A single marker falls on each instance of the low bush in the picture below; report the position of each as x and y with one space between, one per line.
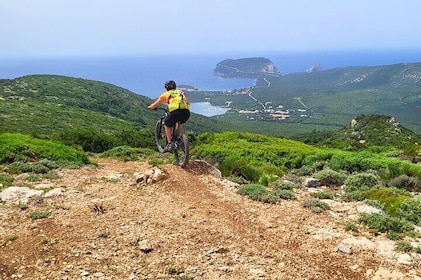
375 204
404 246
39 215
396 168
383 223
390 197
412 184
6 179
266 179
316 205
240 168
281 184
238 180
351 227
360 182
19 167
252 191
259 193
353 196
411 210
322 195
24 148
329 177
284 194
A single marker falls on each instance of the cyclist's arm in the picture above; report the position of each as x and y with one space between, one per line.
161 99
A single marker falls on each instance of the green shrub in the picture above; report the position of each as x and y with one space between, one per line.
281 184
353 162
390 197
89 140
239 168
307 170
404 246
375 204
382 223
265 179
411 210
353 196
360 182
6 179
395 169
253 191
329 177
51 175
24 148
259 193
269 197
351 227
32 177
393 235
39 215
238 180
412 184
19 167
316 205
284 194
322 195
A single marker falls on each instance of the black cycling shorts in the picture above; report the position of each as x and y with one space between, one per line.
179 115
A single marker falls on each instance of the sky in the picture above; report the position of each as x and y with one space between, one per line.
69 28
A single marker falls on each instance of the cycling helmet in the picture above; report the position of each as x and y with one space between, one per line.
170 85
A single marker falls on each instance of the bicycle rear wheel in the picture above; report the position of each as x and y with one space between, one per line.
181 150
160 139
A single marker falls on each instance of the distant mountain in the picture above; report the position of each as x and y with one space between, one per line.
245 68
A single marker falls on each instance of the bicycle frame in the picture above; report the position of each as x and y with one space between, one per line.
178 138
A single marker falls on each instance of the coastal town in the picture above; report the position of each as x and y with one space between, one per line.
264 110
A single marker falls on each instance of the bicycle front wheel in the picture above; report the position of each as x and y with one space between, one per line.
160 139
181 150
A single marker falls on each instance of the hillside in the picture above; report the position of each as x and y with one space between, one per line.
363 132
327 98
45 105
103 223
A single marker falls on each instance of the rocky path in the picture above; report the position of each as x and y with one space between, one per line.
189 224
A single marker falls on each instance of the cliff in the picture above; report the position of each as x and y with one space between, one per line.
245 68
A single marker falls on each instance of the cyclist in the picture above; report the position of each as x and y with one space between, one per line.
178 107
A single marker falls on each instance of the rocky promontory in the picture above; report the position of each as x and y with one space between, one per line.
248 68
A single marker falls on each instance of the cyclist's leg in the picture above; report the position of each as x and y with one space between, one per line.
168 132
169 123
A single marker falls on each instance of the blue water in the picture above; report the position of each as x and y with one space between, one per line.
206 109
145 75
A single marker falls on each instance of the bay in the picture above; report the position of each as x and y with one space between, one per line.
146 74
207 109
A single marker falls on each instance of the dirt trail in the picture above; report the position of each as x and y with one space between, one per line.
193 224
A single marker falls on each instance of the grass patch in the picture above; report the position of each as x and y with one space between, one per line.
39 215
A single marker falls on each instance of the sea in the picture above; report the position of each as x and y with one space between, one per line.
146 74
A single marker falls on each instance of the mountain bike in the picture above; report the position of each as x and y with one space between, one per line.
179 139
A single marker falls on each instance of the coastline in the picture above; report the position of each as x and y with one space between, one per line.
208 110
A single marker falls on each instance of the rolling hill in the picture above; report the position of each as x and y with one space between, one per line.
329 98
45 105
